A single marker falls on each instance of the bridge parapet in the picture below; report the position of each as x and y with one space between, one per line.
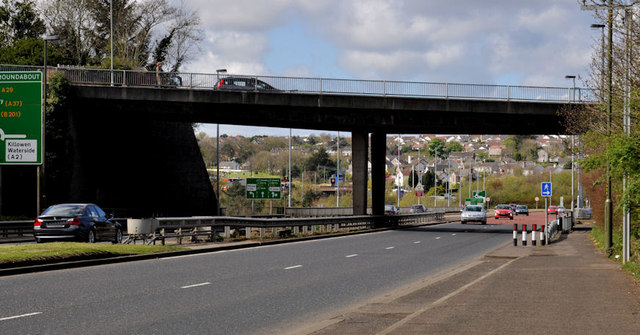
85 76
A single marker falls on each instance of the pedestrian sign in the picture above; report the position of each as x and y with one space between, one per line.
546 189
263 189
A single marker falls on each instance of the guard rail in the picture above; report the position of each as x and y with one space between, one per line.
211 227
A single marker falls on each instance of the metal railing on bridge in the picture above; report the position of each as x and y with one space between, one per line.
391 88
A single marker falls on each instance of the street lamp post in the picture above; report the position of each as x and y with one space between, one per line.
111 36
41 168
572 142
608 207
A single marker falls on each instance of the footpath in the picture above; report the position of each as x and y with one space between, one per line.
567 287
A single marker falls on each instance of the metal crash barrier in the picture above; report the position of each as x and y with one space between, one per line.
159 229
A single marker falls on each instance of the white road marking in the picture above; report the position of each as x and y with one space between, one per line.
437 238
19 316
417 242
196 285
293 267
349 256
454 234
415 314
389 248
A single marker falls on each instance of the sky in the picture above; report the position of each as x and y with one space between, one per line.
507 42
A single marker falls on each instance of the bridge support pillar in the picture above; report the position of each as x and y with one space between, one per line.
378 153
360 146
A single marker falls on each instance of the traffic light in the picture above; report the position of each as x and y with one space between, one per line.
333 181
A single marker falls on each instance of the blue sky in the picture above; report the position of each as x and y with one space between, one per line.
511 42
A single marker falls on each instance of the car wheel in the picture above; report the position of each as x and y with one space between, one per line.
118 238
91 236
463 222
484 222
38 240
511 218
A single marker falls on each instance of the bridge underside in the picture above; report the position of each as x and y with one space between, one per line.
135 147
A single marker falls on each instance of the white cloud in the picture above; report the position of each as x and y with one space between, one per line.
432 40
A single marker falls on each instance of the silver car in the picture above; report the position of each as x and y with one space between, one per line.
473 213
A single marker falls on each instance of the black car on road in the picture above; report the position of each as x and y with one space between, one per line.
79 222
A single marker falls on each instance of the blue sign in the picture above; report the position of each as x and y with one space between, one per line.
546 189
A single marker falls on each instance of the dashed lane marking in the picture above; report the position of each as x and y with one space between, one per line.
19 316
196 285
293 267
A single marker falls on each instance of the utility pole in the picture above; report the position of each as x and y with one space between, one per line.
608 209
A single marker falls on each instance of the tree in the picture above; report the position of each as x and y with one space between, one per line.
455 147
319 158
29 51
437 145
609 150
19 20
143 32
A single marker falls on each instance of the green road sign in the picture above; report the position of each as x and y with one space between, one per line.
21 118
479 194
474 201
263 189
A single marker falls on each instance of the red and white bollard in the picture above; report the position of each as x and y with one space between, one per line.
515 235
542 238
533 235
524 235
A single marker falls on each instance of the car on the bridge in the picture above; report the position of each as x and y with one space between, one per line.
503 211
552 210
243 84
390 210
561 209
522 209
473 213
80 222
418 208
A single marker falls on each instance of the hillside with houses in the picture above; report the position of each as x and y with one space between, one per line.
410 159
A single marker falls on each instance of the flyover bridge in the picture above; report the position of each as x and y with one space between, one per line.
144 123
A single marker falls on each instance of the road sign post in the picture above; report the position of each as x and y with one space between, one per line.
21 118
264 189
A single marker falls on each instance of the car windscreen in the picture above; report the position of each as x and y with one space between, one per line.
473 209
503 207
64 210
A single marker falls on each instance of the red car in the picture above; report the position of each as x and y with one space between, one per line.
552 210
503 211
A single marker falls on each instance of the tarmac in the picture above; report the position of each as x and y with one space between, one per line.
567 287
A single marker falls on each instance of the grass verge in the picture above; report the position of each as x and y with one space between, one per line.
58 251
633 266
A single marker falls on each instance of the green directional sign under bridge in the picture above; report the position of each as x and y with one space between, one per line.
21 118
264 189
